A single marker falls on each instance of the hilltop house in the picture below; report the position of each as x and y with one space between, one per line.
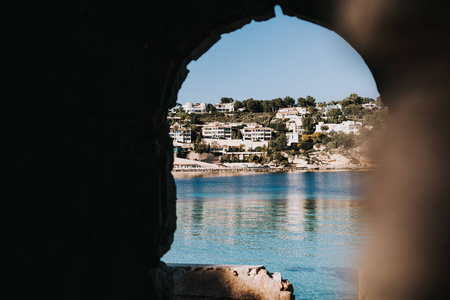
345 127
224 107
195 108
369 105
330 107
291 112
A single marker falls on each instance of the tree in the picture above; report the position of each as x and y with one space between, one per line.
352 110
312 110
226 100
306 143
278 102
324 128
279 126
267 106
194 119
237 104
280 143
288 101
380 102
346 102
367 100
211 108
199 147
363 113
310 101
352 99
379 119
196 134
254 158
318 117
252 105
236 132
334 116
306 102
301 102
308 125
342 139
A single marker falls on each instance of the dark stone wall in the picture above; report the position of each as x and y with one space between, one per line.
87 155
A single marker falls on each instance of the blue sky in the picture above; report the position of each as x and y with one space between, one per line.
283 56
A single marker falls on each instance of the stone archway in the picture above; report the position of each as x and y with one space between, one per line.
92 83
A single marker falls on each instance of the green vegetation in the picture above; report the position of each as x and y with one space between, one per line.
306 102
229 117
263 112
308 125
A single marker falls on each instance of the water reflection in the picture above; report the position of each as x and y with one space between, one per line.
310 223
308 226
197 217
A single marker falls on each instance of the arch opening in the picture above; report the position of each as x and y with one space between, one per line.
198 213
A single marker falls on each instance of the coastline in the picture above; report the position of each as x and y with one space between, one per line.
202 172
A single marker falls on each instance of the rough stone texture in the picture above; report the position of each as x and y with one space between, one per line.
87 155
229 282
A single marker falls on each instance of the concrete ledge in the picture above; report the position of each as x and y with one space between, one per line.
229 282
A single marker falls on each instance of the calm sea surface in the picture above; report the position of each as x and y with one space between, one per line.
307 226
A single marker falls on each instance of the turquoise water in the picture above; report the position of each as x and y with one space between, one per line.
307 226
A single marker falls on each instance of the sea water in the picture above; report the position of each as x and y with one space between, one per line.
307 226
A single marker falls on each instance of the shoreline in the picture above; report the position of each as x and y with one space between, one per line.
184 173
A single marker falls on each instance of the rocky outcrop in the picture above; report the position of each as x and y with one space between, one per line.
229 282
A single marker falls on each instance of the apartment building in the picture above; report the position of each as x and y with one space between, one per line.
180 134
224 107
195 108
256 132
217 131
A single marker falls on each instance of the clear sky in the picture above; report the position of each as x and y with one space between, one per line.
283 56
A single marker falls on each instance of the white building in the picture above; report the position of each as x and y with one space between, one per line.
217 131
287 112
330 107
256 132
225 144
302 110
291 112
292 137
195 108
180 134
369 105
295 124
296 130
345 127
224 107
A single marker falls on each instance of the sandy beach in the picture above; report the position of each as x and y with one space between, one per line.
177 173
